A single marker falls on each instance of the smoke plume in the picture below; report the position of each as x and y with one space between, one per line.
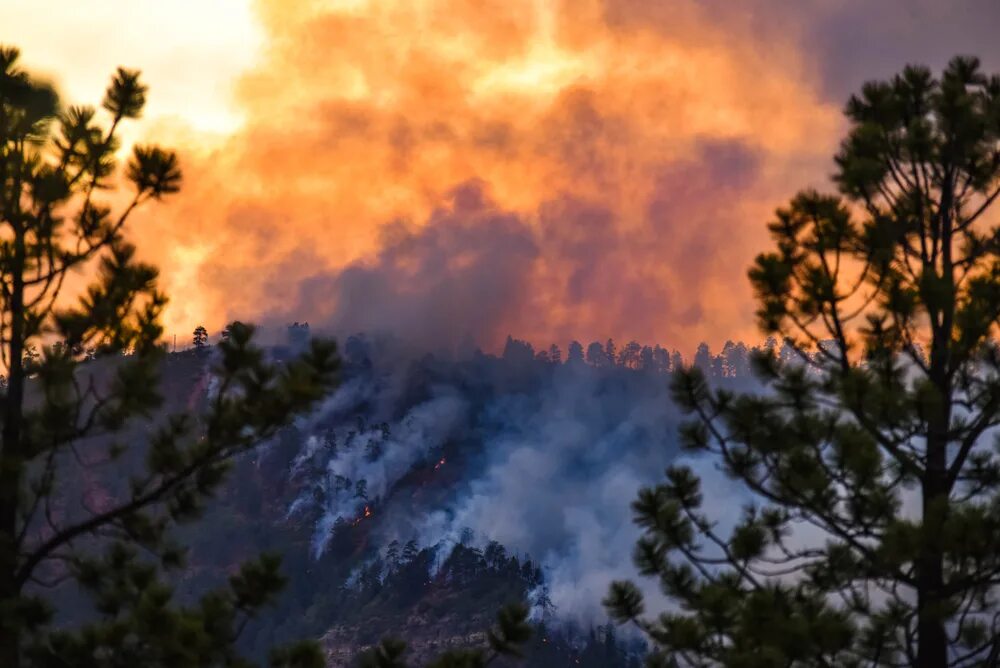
611 174
544 458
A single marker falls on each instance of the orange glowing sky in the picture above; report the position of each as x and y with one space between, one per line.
554 169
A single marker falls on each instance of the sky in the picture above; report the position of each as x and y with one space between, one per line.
467 169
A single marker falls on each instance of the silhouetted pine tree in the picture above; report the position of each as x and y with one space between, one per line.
873 537
62 419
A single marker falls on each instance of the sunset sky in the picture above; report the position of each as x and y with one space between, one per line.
553 169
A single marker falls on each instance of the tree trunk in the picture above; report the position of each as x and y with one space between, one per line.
11 470
932 639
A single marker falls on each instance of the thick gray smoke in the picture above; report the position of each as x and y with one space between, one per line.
559 480
379 457
543 458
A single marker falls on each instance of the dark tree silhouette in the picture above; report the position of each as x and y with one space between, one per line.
62 420
518 352
629 356
647 359
873 537
226 331
703 359
555 354
676 361
596 355
200 337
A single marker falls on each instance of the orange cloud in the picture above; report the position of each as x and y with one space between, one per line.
615 174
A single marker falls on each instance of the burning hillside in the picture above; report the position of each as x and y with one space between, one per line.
425 487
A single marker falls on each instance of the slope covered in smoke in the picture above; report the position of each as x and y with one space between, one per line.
427 491
539 455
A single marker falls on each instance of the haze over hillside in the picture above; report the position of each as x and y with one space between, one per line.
532 455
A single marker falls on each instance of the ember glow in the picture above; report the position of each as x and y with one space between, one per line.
546 168
365 514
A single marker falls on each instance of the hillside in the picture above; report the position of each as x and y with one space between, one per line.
387 508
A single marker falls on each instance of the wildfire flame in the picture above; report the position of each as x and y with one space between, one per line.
366 513
439 464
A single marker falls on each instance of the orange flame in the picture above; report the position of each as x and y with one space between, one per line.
366 513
